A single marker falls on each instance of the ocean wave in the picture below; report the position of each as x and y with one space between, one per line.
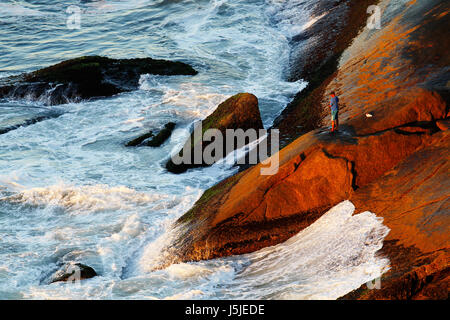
333 256
82 199
7 9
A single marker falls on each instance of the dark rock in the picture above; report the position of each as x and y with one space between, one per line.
238 112
140 139
328 37
87 77
73 272
157 140
162 135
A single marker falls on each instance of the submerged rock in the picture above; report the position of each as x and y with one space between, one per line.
237 112
162 135
157 140
87 77
31 121
73 272
140 139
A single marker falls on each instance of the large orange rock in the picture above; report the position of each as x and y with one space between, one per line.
249 211
396 74
393 163
414 201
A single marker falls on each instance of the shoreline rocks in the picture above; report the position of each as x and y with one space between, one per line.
87 77
248 211
394 163
315 55
413 200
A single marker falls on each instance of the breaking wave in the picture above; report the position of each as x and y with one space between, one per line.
82 199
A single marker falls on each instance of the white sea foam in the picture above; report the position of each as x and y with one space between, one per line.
289 18
187 100
333 256
131 228
134 120
7 9
193 294
186 270
81 199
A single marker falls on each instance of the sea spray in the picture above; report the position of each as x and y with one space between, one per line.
333 256
82 199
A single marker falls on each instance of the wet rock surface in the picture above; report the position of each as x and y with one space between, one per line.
87 77
151 140
72 272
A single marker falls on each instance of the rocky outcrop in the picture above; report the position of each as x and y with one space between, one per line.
251 211
315 55
414 200
72 272
87 77
394 163
237 112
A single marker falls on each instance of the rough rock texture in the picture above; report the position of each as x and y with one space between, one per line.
338 22
394 163
87 77
397 74
237 112
416 209
315 57
316 172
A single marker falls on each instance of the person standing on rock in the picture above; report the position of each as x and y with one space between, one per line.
334 105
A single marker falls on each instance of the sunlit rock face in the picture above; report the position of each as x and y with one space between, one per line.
393 162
